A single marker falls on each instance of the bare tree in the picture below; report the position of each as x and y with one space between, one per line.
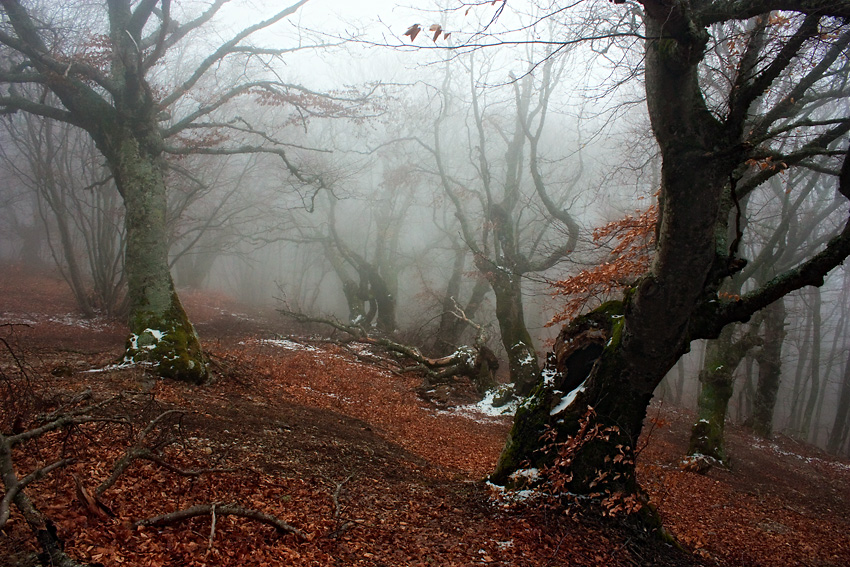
613 359
509 217
100 66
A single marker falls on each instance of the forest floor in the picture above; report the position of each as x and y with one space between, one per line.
327 438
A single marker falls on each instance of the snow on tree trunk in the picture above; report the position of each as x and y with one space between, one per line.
717 379
160 332
584 371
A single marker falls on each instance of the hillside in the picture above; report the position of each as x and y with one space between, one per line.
329 439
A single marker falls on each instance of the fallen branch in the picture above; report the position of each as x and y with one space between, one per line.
140 451
476 362
222 510
341 525
212 530
42 528
74 417
14 485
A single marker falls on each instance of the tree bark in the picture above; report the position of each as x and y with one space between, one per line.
841 423
769 359
160 332
522 358
717 378
814 391
798 392
613 359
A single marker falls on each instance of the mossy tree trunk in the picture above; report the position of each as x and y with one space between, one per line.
717 382
613 359
586 370
160 331
121 117
519 348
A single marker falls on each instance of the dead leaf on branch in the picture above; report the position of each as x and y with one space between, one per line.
413 31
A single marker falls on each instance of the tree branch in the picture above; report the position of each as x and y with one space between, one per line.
811 272
223 510
225 50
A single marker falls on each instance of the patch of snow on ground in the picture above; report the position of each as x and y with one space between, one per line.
484 411
773 447
68 319
529 474
95 324
504 497
124 365
361 349
287 344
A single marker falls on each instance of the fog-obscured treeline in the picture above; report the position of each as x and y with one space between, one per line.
406 158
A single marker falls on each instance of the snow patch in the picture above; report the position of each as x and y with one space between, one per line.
123 365
528 359
506 497
485 408
529 475
773 447
287 344
548 377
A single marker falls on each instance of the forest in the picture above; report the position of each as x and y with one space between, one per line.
524 283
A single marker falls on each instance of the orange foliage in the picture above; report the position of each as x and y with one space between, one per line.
634 238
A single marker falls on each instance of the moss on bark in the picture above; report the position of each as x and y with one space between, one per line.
160 332
563 390
168 343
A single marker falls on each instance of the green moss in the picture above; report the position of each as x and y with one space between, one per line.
168 343
524 438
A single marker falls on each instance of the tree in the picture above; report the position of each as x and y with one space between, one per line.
506 211
101 78
77 205
793 226
612 359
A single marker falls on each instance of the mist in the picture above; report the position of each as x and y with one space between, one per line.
376 168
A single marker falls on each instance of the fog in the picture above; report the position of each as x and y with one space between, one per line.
386 168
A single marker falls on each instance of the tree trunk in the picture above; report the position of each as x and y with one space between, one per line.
522 358
680 382
842 414
798 392
71 272
451 326
385 299
746 394
160 331
583 373
613 359
814 392
769 359
834 354
717 379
